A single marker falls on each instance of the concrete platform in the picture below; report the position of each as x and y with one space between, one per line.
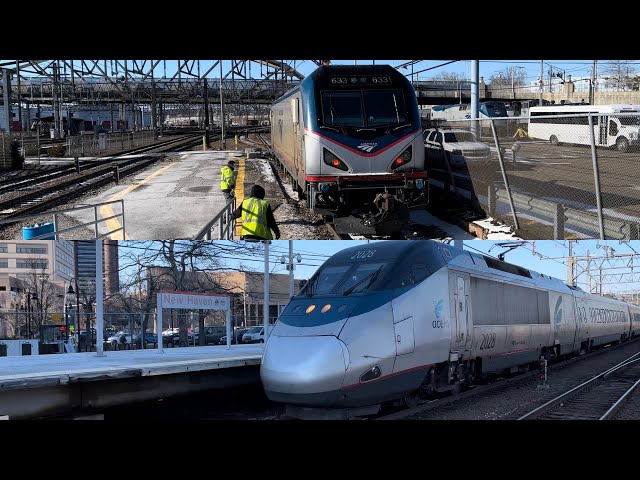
172 199
42 385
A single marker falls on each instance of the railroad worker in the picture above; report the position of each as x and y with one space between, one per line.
257 217
228 180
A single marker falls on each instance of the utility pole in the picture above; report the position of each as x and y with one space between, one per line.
19 98
205 94
475 97
570 263
541 83
154 120
265 283
223 143
592 96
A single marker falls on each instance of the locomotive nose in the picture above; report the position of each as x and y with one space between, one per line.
303 370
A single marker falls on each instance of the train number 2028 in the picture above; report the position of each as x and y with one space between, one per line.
363 254
488 341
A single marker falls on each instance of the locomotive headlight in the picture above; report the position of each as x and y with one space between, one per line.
324 187
333 161
371 374
402 159
419 183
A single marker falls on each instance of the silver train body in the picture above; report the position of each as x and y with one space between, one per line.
350 140
395 319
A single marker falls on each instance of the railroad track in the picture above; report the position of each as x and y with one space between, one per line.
494 388
599 398
62 189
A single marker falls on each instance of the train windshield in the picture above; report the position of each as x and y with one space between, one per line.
364 109
344 279
494 109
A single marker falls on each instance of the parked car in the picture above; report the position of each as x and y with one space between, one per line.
460 145
120 338
236 337
254 335
172 336
212 334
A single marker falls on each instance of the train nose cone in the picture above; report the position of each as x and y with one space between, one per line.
300 369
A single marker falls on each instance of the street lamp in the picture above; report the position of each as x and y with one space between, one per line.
30 296
68 305
290 267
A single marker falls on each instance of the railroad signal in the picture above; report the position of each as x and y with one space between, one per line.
542 383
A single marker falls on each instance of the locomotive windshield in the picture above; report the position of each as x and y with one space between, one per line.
364 110
344 279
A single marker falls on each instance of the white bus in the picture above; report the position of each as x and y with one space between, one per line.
614 125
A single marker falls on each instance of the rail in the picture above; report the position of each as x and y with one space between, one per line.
225 221
95 223
555 401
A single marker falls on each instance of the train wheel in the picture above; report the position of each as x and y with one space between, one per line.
411 400
554 140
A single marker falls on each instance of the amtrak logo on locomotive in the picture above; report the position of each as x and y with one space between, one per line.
367 147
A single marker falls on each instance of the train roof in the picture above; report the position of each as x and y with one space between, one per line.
438 254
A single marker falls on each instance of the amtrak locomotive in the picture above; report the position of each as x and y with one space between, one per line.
350 139
396 320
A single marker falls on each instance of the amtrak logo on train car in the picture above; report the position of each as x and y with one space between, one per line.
557 315
367 147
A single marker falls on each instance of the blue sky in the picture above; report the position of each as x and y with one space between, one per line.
547 259
430 68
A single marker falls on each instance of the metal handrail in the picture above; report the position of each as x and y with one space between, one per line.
226 224
96 220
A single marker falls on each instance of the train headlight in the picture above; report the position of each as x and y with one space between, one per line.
333 161
419 183
402 159
324 187
371 374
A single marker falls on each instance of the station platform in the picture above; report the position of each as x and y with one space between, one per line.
45 385
174 198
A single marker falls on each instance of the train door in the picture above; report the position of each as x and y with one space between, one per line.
461 339
405 343
297 137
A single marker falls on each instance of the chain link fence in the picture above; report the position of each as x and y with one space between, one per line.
122 331
548 176
107 143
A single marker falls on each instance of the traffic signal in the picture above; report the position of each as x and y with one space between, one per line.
72 328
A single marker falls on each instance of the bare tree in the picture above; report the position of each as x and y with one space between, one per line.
172 265
621 74
44 295
510 77
450 77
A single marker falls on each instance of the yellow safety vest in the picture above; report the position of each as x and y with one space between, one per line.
254 218
227 178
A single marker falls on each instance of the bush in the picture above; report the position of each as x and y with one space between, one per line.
57 150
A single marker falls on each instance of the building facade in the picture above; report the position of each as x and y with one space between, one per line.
20 260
